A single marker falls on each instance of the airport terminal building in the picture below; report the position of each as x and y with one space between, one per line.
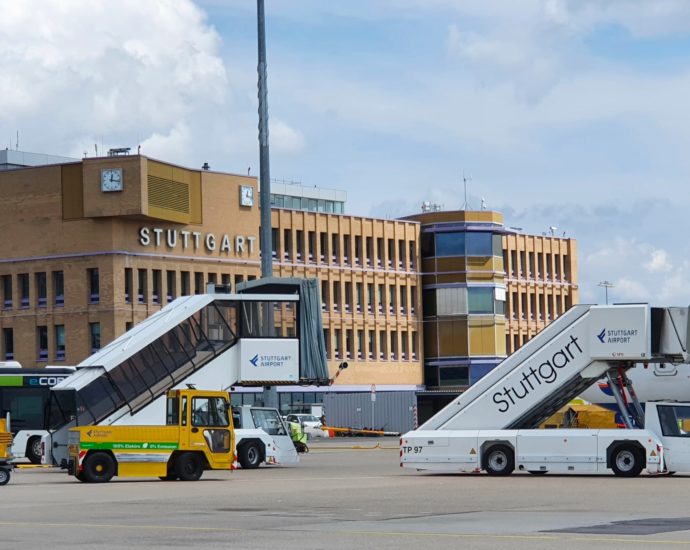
423 305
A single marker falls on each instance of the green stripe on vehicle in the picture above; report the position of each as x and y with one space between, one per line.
123 446
11 380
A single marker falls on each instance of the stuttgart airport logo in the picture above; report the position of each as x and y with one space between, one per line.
254 360
617 335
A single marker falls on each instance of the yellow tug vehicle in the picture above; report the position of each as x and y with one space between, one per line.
198 436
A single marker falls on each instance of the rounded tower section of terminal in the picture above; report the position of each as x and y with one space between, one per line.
463 296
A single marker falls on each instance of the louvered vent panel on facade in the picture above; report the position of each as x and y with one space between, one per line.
168 194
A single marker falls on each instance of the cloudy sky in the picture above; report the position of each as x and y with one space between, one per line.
571 114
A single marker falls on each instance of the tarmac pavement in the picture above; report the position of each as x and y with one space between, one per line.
345 493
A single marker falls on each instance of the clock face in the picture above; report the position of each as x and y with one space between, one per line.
111 179
246 195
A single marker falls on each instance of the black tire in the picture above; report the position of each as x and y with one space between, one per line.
499 461
249 455
99 467
172 477
33 450
538 472
5 476
627 461
189 466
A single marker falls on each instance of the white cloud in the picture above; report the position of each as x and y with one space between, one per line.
173 144
659 262
628 290
673 289
619 251
530 66
284 138
119 73
640 17
521 102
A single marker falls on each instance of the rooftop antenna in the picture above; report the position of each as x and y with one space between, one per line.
465 179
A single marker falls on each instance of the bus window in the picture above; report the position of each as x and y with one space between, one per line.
25 405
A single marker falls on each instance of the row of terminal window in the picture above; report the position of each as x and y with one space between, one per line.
488 300
462 300
189 283
372 345
23 285
442 244
40 289
537 265
41 280
304 203
42 343
378 298
538 306
334 248
524 264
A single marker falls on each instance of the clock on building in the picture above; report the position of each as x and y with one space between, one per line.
111 179
246 195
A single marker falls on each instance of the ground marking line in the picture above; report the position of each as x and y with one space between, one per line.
120 525
636 541
347 532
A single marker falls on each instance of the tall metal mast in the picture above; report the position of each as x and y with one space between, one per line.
270 393
264 167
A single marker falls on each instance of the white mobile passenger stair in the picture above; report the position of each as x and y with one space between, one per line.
569 355
268 335
491 427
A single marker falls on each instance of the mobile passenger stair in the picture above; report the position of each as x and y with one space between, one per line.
269 334
585 344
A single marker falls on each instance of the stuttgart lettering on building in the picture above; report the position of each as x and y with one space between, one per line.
196 240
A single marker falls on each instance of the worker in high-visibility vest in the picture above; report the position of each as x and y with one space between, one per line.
299 438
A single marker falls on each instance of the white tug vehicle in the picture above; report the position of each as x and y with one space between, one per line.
493 426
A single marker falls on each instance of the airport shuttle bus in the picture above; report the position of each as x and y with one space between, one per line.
25 394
